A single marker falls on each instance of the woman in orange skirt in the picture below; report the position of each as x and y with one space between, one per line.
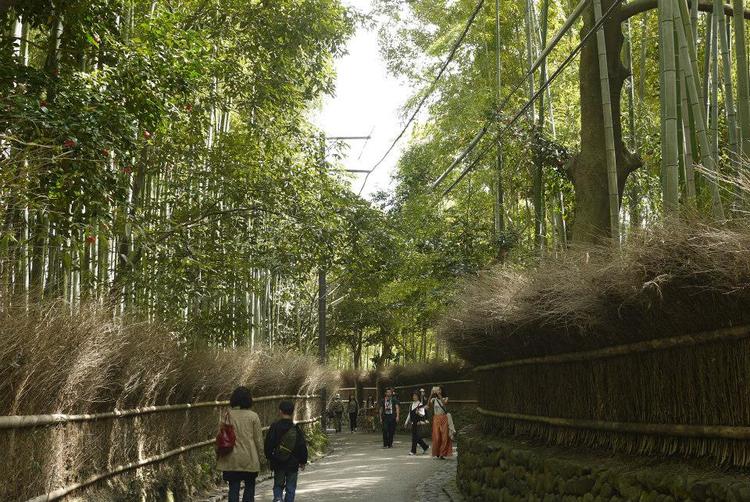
442 446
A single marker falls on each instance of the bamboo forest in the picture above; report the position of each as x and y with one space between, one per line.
514 233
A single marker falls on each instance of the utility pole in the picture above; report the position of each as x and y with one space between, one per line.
322 283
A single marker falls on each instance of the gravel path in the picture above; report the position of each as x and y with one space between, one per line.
360 469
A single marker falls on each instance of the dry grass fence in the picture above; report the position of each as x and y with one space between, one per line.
661 325
403 375
53 360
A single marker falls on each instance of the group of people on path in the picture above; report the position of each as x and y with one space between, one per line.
436 406
284 447
337 410
421 409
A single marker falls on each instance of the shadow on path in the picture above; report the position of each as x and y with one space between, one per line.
361 469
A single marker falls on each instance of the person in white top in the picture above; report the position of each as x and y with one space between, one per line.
416 416
442 446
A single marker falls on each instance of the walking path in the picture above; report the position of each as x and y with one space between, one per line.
360 469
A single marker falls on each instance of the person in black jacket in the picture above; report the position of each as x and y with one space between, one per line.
286 450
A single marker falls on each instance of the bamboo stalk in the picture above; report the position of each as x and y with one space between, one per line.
609 137
714 122
690 41
24 421
694 19
705 91
743 100
687 61
679 430
726 65
670 176
734 333
680 129
628 52
662 99
690 142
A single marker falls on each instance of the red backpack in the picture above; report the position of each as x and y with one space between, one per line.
226 438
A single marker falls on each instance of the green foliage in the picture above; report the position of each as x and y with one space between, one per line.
159 156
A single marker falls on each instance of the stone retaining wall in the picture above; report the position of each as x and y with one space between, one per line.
492 468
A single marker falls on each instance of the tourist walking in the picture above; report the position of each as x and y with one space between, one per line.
442 445
389 416
242 463
415 418
337 407
286 451
353 409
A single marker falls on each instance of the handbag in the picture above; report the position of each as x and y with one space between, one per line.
226 438
451 427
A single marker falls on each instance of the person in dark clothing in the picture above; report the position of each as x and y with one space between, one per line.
416 416
286 450
389 416
353 409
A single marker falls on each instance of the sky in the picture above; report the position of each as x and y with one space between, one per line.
367 101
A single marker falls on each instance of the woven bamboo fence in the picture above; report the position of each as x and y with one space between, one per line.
686 395
82 450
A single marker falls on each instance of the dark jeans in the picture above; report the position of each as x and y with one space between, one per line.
247 496
283 480
389 429
353 420
337 419
415 439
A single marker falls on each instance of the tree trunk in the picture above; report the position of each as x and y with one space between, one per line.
589 169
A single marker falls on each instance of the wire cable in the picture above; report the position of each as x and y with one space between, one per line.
533 98
430 90
520 82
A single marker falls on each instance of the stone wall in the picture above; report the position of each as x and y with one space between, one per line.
492 468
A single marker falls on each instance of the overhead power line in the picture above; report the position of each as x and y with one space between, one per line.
533 98
430 90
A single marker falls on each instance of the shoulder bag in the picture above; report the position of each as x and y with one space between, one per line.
226 438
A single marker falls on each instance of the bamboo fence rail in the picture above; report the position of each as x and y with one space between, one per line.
425 384
450 401
409 386
23 421
691 431
63 492
735 333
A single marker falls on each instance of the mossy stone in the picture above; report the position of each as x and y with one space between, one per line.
606 491
629 488
741 492
699 491
579 486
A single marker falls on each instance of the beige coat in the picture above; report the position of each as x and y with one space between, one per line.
246 453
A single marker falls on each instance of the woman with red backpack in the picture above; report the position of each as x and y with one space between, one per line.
239 444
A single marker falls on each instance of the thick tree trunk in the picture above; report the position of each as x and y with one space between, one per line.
589 169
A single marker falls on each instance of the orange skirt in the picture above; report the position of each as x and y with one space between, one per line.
442 446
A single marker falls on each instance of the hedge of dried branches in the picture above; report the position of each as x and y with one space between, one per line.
683 277
414 373
53 360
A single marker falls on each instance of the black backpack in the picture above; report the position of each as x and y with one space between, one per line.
287 443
